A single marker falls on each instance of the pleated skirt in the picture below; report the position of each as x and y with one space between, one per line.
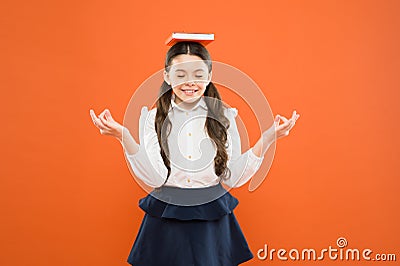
176 231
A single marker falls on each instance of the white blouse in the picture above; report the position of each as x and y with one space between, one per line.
191 151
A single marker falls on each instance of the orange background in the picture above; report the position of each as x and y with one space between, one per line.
67 196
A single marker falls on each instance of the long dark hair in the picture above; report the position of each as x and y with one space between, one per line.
216 128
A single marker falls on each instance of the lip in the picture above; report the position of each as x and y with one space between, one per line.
184 90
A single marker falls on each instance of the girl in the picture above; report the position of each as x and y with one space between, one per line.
188 146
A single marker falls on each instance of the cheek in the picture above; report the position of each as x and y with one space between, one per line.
176 90
202 86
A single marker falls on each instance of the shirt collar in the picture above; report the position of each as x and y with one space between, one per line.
201 103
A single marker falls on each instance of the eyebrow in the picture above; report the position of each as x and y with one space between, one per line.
193 71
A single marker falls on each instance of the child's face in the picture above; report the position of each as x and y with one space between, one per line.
188 77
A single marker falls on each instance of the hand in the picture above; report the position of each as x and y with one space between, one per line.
284 129
107 125
275 132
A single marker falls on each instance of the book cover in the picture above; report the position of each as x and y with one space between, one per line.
203 38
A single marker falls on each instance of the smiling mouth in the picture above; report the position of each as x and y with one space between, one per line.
189 91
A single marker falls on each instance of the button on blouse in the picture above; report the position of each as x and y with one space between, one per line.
192 152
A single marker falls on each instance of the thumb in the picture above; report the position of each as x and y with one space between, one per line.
277 118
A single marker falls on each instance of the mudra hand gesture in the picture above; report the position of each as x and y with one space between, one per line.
106 124
274 133
284 129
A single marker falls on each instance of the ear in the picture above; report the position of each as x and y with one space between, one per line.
166 77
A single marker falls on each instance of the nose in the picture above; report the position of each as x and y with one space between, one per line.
190 83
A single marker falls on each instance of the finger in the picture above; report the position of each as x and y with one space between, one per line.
284 119
286 125
277 120
97 121
105 122
292 123
100 124
294 114
102 113
108 115
292 120
103 119
92 115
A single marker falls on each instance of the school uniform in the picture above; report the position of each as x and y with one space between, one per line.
189 220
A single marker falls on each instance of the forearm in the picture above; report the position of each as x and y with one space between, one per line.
128 142
263 144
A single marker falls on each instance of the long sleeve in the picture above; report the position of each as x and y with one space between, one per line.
147 163
242 166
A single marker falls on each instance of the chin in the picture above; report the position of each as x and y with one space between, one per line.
189 99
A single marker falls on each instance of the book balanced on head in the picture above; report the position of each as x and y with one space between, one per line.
203 38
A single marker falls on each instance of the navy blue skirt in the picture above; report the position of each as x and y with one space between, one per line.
176 231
